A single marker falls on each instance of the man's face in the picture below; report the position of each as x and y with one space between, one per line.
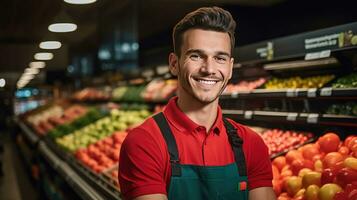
205 64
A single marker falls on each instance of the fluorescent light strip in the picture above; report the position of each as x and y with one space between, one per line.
50 45
62 27
32 71
43 56
80 1
37 64
300 64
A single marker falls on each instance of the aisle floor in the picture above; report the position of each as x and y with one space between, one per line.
15 184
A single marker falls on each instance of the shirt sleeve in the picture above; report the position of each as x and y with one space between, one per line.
258 162
141 165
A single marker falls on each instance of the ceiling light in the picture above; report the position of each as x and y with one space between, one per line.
32 71
43 56
62 27
37 64
2 82
50 45
27 76
80 1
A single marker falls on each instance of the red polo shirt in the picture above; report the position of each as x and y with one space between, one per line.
145 162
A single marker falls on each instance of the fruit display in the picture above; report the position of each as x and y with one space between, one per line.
102 154
279 140
92 115
349 81
128 93
324 170
298 82
90 94
159 90
118 120
244 86
349 108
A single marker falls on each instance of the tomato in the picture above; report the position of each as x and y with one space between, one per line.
331 159
277 187
318 166
328 191
340 196
351 144
328 176
311 178
292 185
309 151
279 162
276 173
348 140
344 151
303 171
329 142
293 155
346 176
350 162
296 166
312 192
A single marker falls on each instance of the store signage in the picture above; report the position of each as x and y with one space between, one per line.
266 52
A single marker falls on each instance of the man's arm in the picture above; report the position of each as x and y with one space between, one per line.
265 193
151 197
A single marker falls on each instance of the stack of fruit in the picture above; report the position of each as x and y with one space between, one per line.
117 121
325 170
90 94
244 86
349 81
279 140
349 108
159 90
128 93
298 82
102 154
39 120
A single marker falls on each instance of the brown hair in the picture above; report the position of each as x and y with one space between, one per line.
206 18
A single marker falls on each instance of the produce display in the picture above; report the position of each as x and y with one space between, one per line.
159 90
279 140
349 108
244 86
102 154
55 116
118 120
298 82
128 93
324 170
349 81
90 94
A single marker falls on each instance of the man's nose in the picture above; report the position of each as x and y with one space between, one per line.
208 66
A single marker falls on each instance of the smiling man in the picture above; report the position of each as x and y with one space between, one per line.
190 151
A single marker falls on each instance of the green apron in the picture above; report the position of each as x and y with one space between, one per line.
192 182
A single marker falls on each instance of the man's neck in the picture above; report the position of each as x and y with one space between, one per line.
202 114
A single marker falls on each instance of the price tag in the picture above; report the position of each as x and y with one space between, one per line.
311 92
248 114
291 93
291 116
318 55
326 91
312 118
234 95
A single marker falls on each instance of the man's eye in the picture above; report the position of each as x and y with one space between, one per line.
221 59
195 56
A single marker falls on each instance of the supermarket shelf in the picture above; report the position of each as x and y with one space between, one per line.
289 117
68 174
29 134
326 92
293 147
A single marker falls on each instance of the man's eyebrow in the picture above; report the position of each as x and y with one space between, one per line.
199 51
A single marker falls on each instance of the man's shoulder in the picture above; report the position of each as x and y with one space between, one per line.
244 131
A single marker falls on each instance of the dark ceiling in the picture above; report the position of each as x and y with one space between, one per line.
23 24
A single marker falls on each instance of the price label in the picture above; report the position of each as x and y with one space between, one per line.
248 114
326 91
311 92
291 93
291 116
318 55
312 118
234 95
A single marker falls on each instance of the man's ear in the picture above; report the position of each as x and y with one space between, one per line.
173 64
231 64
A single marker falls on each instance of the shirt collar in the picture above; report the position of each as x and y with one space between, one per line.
183 123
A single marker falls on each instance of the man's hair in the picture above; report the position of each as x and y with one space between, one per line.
206 18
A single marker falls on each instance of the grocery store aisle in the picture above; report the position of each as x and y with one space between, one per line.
15 183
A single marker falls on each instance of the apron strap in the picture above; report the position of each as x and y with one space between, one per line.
237 146
170 142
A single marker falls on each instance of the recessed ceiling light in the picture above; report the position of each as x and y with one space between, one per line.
43 56
80 1
50 45
2 82
27 77
32 71
37 64
62 27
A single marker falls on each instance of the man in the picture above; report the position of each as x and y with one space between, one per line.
189 151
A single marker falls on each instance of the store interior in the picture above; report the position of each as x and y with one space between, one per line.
69 97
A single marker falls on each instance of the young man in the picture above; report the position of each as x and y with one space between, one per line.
189 151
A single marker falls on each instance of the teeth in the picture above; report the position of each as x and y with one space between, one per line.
207 82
